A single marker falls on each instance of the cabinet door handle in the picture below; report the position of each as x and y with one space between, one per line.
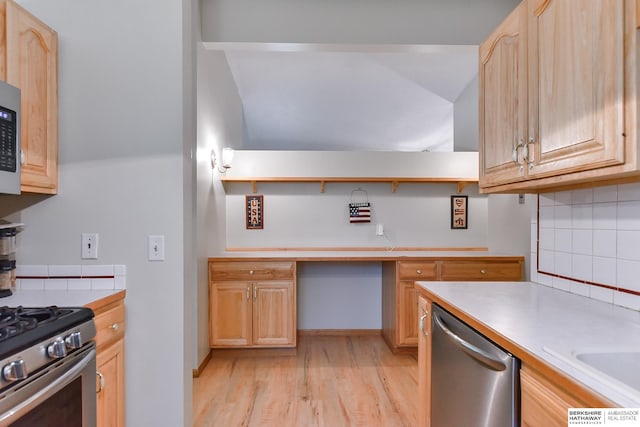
514 154
526 154
255 293
248 290
424 316
99 375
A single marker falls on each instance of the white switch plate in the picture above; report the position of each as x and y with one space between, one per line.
89 246
379 230
156 248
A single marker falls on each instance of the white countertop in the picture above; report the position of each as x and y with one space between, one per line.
74 298
535 317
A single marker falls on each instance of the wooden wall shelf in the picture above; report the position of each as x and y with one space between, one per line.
461 182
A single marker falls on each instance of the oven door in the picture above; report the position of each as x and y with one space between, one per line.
63 394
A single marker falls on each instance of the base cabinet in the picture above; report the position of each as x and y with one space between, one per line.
110 329
424 362
400 298
252 313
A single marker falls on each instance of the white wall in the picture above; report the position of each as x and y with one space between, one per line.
220 125
356 21
124 109
465 118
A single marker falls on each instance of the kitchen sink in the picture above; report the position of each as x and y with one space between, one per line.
618 368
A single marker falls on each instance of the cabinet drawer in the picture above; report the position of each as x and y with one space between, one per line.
418 270
109 325
481 270
240 270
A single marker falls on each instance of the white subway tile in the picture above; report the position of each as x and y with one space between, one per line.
546 217
548 239
79 284
545 279
546 199
546 261
582 216
580 289
120 270
628 215
582 242
534 238
626 300
582 196
563 240
32 284
627 274
97 270
102 284
602 294
562 216
629 191
32 270
562 284
64 270
605 243
628 245
563 198
604 271
120 282
605 216
582 267
605 194
55 284
562 263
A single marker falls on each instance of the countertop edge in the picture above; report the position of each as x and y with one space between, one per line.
98 304
552 373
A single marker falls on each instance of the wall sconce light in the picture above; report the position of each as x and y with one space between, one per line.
227 158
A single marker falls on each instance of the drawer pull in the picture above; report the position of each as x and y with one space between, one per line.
418 271
483 271
251 272
99 375
115 326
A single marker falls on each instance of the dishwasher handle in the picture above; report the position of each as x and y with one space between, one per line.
473 351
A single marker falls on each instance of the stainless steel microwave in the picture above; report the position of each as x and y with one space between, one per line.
9 139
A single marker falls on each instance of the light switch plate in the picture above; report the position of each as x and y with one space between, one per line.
89 246
156 248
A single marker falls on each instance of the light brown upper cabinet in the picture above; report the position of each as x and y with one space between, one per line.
553 89
29 52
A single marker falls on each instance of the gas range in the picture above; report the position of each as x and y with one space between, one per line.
33 338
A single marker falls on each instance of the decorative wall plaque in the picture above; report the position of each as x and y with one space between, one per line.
459 212
255 212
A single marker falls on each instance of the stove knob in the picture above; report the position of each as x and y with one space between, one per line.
57 349
73 341
14 371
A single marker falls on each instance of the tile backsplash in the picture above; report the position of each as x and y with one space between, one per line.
587 242
71 277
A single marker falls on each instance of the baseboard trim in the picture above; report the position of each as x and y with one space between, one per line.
197 372
253 352
339 332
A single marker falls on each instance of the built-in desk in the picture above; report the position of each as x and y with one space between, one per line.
253 295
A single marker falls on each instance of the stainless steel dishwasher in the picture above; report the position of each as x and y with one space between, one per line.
474 383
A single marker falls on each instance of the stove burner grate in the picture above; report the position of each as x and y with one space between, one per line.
17 320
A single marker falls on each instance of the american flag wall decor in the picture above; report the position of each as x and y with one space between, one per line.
360 212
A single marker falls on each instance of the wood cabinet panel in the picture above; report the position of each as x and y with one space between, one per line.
542 404
407 324
481 270
503 82
230 314
274 314
110 395
424 362
251 270
417 270
32 66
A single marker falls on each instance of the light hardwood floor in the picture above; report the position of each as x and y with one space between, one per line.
331 382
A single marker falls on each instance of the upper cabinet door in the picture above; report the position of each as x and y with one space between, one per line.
32 65
503 91
576 85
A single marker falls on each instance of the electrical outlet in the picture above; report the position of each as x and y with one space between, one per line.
156 248
89 246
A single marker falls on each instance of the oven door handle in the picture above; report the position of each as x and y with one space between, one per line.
24 407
